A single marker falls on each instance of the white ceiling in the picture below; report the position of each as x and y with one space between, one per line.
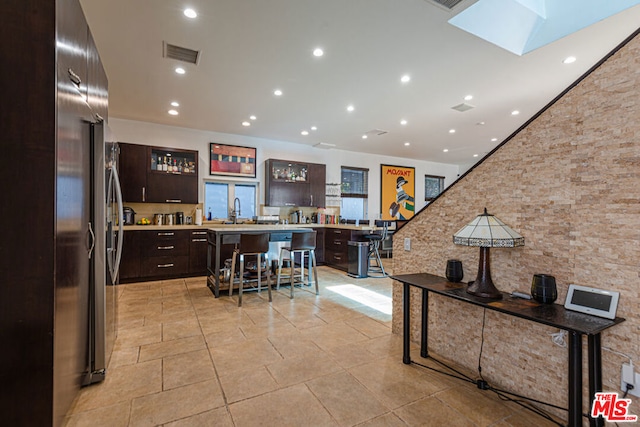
251 47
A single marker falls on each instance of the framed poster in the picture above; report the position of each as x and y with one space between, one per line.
232 160
397 192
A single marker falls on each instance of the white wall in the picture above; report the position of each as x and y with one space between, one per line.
145 133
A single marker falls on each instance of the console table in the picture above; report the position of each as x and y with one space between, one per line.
576 324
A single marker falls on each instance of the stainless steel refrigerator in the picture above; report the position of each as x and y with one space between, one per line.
108 215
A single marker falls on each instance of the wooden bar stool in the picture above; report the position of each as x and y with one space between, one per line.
253 245
302 243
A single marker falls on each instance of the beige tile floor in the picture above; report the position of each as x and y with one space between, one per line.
184 358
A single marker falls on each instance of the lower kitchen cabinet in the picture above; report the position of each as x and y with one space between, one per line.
336 246
198 253
159 254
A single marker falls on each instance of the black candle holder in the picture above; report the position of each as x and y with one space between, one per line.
454 271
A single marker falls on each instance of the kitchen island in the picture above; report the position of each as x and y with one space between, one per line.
217 237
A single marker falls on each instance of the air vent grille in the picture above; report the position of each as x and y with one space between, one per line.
449 4
375 132
463 107
180 53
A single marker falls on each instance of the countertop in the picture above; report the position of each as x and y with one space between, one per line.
242 227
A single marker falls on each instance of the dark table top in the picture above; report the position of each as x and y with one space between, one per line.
554 315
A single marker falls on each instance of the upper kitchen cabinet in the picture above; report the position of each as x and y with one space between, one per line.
158 175
290 183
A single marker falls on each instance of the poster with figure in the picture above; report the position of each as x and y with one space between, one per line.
397 192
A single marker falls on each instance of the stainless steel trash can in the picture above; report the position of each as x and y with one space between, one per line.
358 254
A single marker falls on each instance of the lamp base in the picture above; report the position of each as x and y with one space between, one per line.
484 290
483 285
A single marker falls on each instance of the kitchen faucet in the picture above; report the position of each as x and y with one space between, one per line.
236 211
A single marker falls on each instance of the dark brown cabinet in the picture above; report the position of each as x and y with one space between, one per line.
290 183
158 254
51 73
158 175
198 252
336 246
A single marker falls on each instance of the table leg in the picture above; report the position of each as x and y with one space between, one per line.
595 374
406 335
216 291
424 341
575 379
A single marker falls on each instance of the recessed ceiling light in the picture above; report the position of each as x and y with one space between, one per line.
245 123
468 97
364 137
403 122
252 117
494 139
277 92
406 144
318 52
190 13
446 150
304 132
314 128
480 123
515 112
175 104
475 155
173 112
405 79
350 108
180 70
569 60
452 131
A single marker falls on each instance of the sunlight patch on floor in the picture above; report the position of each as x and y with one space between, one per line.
364 296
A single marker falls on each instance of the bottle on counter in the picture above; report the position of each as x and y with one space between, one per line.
209 218
165 167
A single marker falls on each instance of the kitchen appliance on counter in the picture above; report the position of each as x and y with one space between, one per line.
129 215
158 219
169 219
179 218
266 219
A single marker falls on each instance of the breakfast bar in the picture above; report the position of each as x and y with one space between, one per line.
217 237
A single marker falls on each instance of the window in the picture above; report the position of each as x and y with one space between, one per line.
433 186
354 190
219 197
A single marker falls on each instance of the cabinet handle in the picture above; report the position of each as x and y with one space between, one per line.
337 242
74 77
289 204
198 232
337 231
144 194
165 265
166 234
173 201
166 247
311 200
337 257
198 240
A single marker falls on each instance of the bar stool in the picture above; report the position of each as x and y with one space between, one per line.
301 243
253 245
375 240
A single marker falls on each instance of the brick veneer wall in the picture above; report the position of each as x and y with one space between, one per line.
569 182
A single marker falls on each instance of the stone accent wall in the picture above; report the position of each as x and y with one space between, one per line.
570 184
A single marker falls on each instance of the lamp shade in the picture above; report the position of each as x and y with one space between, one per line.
486 231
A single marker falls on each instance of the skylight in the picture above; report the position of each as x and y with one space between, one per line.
521 26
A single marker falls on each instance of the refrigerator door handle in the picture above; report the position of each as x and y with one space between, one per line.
116 266
93 240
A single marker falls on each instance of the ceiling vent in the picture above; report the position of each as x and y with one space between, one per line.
324 145
375 132
448 4
463 107
180 53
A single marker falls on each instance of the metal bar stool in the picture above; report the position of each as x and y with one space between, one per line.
301 243
375 240
253 245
